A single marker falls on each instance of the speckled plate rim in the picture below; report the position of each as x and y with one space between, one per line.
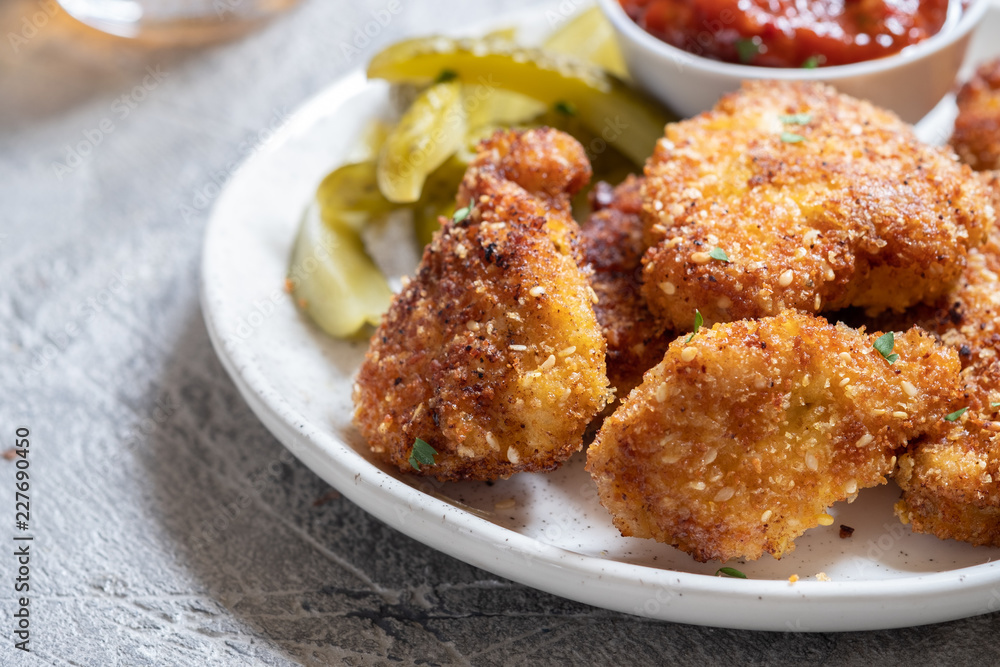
774 605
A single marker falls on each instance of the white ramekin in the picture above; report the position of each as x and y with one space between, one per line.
910 82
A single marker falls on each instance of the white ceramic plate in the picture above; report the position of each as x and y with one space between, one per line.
557 537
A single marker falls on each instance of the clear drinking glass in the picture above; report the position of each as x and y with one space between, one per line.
176 21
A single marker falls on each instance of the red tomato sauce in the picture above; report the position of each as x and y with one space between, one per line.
790 33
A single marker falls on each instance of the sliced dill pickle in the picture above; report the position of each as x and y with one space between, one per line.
438 198
332 277
507 34
589 36
623 117
501 108
352 192
373 138
426 218
430 131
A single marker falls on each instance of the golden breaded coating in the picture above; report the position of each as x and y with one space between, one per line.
492 353
951 477
740 439
819 201
965 317
548 165
949 481
977 128
612 246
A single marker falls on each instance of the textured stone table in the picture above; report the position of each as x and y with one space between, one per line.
139 439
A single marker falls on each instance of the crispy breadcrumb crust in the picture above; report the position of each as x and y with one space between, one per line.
977 129
611 242
951 477
739 440
548 165
820 201
492 353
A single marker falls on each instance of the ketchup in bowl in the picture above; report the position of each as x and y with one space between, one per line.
791 33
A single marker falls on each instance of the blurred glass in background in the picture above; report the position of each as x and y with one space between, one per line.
174 21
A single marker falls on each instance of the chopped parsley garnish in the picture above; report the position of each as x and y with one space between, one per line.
566 108
746 50
956 415
446 75
462 213
884 344
792 138
421 453
995 405
730 572
796 119
719 254
812 62
698 321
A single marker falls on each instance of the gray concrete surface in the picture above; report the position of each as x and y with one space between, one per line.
140 440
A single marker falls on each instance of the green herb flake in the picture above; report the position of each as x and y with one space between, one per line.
565 108
446 75
884 344
792 138
746 50
995 405
462 213
956 415
730 572
421 453
719 254
796 118
812 62
698 321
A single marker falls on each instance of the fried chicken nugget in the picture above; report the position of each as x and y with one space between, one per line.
742 437
951 477
977 128
612 246
816 200
492 353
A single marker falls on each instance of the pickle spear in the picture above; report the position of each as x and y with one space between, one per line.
501 109
331 276
431 130
623 117
351 194
438 198
588 35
